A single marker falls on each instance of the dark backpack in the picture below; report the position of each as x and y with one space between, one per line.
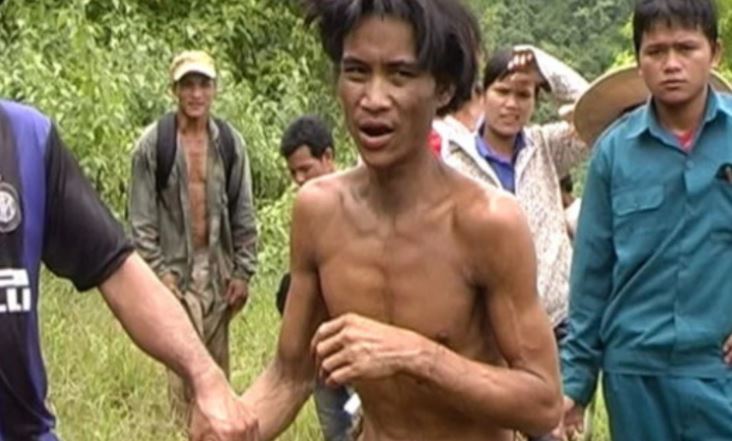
166 148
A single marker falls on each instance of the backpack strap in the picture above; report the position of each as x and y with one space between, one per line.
165 149
227 148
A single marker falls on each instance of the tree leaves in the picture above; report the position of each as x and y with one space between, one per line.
100 68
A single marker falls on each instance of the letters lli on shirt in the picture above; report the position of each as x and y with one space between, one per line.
15 292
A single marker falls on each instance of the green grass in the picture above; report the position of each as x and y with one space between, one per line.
102 388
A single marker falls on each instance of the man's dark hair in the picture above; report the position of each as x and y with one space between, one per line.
692 14
446 33
496 69
310 131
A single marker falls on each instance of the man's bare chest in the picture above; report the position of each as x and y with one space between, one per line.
195 151
415 279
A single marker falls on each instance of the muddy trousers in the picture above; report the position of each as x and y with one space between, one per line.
209 315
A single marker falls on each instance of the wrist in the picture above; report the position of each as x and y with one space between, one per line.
421 362
205 379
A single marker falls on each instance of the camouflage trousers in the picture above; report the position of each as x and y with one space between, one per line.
210 316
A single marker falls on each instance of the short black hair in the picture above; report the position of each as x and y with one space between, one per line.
696 14
308 130
496 69
445 31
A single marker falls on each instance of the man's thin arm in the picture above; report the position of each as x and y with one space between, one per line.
566 86
281 390
276 398
565 83
525 394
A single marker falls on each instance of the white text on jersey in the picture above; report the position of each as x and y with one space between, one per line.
15 292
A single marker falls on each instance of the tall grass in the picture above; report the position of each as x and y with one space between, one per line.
102 388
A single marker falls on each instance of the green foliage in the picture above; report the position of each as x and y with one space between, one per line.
627 55
585 33
274 220
108 76
100 69
102 388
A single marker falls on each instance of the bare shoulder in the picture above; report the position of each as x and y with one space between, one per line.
321 196
485 213
492 229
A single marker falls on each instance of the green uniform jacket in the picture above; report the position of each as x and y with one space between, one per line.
161 224
651 282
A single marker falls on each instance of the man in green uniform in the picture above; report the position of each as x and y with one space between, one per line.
651 291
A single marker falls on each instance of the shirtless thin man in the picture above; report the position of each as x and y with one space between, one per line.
422 294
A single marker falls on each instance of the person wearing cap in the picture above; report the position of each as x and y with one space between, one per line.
50 214
200 243
651 291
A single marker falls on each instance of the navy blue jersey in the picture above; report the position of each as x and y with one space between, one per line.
48 213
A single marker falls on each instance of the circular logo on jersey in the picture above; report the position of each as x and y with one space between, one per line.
9 208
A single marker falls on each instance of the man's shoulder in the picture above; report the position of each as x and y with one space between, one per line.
147 139
225 124
15 108
27 118
725 102
621 128
483 211
322 194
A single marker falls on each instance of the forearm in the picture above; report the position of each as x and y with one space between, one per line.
276 401
155 320
565 83
565 148
582 348
580 355
512 397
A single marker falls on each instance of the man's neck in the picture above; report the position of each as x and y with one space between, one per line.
406 185
683 118
192 126
503 145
